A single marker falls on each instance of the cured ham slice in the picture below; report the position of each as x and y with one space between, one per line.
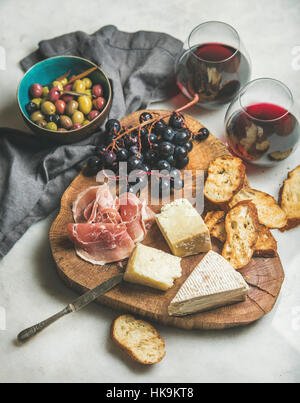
82 207
101 243
110 215
107 228
136 215
90 204
131 212
104 200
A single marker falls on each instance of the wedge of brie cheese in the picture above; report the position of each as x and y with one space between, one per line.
183 228
213 283
152 267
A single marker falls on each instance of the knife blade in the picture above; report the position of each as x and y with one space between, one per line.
75 306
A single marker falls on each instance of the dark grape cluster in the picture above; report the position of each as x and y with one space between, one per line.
159 146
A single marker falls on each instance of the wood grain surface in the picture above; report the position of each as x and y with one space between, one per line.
264 275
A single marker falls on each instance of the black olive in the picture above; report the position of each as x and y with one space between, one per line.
31 107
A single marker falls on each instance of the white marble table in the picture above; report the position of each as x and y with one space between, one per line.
78 348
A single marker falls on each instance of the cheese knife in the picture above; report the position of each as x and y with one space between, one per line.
75 306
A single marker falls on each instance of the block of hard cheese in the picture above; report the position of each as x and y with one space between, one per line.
152 267
213 283
183 228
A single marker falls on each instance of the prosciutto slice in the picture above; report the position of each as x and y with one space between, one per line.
131 213
136 215
82 208
90 204
101 243
106 229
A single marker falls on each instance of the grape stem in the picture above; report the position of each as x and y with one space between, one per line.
154 120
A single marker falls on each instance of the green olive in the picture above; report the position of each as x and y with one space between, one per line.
79 86
57 84
37 116
85 104
37 101
64 81
71 107
77 117
45 92
88 92
51 126
48 108
66 122
85 122
42 123
87 82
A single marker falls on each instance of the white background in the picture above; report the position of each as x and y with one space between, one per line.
78 348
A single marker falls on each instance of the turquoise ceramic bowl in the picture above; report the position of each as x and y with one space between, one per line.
45 73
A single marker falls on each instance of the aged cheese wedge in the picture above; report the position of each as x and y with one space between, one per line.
152 267
183 228
213 283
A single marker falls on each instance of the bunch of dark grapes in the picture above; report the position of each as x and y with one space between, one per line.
159 146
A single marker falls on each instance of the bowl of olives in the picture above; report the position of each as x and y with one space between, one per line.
64 98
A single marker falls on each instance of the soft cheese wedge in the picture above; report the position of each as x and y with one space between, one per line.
152 267
213 283
183 228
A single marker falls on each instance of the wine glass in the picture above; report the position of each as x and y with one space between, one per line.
261 123
213 64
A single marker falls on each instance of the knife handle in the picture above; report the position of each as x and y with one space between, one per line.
27 334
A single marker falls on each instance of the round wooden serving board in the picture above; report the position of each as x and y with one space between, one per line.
264 275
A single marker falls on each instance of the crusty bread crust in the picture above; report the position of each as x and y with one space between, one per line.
291 209
226 176
241 226
215 221
266 245
269 212
146 335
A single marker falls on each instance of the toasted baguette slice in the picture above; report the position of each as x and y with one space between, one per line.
215 221
266 245
138 339
226 176
289 199
241 226
269 213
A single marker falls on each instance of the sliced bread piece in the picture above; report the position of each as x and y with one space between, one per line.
226 176
215 221
266 245
269 213
289 199
241 226
138 339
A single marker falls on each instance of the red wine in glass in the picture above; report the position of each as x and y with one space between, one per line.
262 132
214 71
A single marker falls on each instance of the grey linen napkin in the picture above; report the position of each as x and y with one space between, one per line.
33 176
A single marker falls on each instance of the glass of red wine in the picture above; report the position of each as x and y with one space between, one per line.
213 64
261 123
